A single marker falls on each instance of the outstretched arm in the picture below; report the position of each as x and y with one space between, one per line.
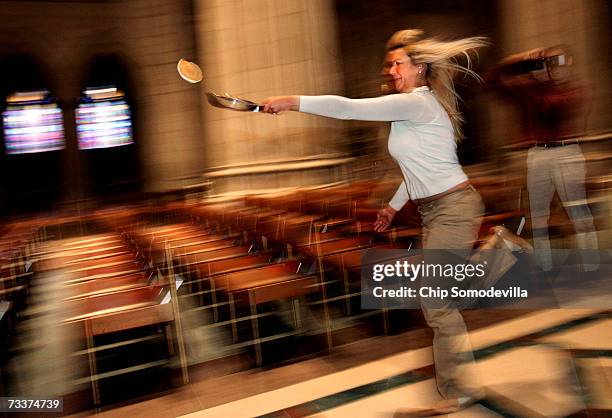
394 107
277 104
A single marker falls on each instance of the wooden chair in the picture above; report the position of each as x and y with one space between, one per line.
260 285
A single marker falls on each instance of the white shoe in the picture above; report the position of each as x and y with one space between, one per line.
513 242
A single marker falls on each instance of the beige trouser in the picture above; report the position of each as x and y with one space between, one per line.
560 169
452 223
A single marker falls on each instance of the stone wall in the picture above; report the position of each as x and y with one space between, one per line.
256 49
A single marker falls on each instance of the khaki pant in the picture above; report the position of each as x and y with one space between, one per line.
560 169
452 223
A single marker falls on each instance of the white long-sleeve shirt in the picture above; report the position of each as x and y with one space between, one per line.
422 140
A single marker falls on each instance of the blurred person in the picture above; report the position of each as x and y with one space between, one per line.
543 82
425 128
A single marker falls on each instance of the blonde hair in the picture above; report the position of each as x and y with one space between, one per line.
442 63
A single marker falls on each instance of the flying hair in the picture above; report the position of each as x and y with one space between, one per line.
442 61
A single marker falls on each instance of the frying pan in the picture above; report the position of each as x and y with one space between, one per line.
192 73
232 103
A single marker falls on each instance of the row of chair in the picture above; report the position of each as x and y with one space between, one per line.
261 250
235 266
108 288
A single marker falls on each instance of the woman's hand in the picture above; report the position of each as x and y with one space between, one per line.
279 104
384 217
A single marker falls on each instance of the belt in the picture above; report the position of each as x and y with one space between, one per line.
461 186
553 144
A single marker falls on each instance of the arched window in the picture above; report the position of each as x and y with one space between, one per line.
103 119
32 122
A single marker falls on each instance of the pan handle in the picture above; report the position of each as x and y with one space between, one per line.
258 108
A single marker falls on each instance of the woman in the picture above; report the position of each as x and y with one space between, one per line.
425 127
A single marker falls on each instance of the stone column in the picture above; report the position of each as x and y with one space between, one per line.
155 34
254 49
